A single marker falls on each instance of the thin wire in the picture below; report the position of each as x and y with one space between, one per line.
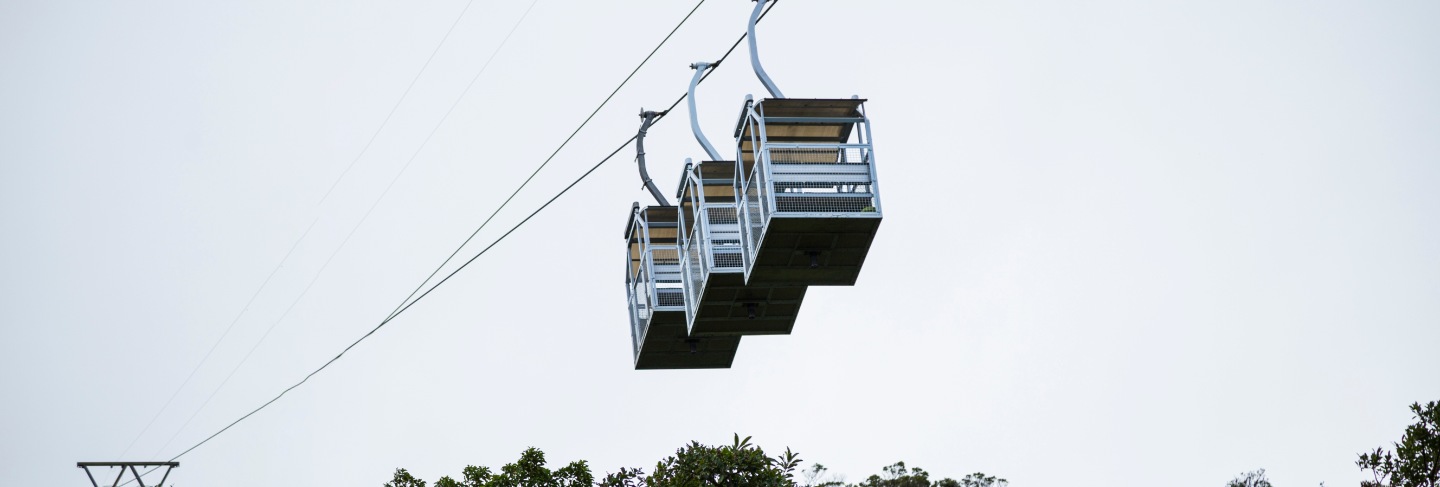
362 220
716 64
557 150
246 358
412 303
462 266
243 309
404 95
357 158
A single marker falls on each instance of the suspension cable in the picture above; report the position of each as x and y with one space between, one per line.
415 298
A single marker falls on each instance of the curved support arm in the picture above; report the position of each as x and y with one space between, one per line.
647 118
700 69
755 57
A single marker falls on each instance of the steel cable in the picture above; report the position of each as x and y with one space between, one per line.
409 302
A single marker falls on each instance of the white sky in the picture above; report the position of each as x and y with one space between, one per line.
1126 243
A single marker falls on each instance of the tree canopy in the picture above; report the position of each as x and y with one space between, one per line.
1415 462
739 464
1250 479
528 471
898 475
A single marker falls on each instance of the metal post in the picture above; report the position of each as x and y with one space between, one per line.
870 159
694 118
647 118
137 476
131 466
755 57
647 252
762 162
92 477
163 477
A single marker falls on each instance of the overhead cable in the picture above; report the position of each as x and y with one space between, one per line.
353 229
386 121
547 160
331 189
409 302
243 310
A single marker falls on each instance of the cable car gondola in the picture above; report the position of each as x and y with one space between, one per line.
717 300
810 202
798 207
657 303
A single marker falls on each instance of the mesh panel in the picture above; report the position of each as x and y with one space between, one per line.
667 276
639 291
729 258
813 186
817 155
724 238
665 256
694 283
821 179
640 309
637 288
721 214
637 330
755 211
823 204
670 297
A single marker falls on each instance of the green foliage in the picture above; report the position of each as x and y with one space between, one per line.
977 479
626 477
1250 479
819 476
472 477
1416 459
404 479
739 464
529 471
898 475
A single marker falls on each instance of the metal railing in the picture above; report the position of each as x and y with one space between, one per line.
695 272
802 180
824 179
722 238
666 280
636 292
713 242
652 280
755 213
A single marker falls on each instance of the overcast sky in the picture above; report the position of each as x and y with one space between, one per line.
1125 243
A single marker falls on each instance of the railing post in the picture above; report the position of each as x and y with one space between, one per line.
870 161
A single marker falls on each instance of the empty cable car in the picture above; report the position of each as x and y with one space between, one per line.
717 300
810 204
799 206
656 298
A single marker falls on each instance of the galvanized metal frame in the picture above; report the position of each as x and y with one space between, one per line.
694 267
642 281
700 69
758 195
752 191
704 241
754 52
647 118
